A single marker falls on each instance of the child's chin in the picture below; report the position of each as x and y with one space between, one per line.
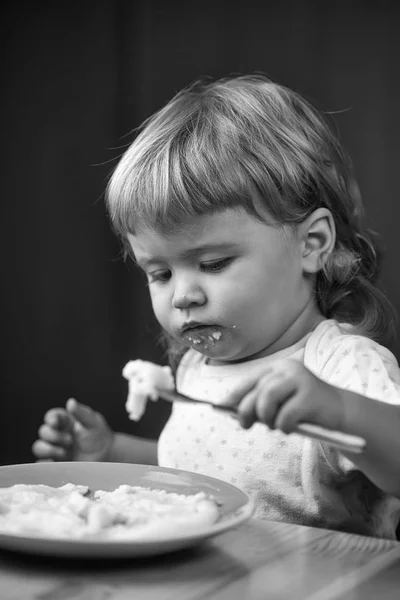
218 355
225 355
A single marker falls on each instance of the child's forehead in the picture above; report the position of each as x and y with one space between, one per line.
224 230
218 225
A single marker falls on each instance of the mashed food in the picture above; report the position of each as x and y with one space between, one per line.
145 378
127 513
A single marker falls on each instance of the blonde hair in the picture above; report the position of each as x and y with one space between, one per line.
231 142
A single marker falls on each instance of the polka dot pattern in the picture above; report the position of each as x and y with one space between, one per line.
291 478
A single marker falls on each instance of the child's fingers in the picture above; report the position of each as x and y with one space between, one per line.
44 450
273 394
54 436
290 415
85 415
236 396
316 402
264 401
247 409
58 418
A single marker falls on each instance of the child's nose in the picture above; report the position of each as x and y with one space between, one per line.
186 296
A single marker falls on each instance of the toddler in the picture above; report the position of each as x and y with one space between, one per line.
236 201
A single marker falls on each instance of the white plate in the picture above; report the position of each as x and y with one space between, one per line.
236 507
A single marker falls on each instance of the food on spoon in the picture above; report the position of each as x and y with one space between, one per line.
145 379
130 513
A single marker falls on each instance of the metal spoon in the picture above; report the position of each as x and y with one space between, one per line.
338 439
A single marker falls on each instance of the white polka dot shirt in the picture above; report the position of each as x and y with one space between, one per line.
291 478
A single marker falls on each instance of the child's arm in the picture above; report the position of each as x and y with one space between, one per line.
133 449
288 394
81 434
379 424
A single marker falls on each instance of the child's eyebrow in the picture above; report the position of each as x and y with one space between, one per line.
147 261
211 247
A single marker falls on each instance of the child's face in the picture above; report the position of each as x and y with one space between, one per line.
228 285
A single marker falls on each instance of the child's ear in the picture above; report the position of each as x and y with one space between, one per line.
318 236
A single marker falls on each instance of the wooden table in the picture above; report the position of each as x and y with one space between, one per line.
255 561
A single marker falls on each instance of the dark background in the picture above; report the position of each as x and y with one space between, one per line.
77 78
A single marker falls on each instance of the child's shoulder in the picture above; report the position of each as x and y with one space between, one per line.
331 337
337 353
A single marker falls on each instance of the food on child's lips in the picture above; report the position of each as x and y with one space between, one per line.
202 335
144 379
127 513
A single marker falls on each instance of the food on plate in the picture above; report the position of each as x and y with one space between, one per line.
130 513
145 378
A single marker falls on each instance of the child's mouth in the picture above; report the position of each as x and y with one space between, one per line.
202 335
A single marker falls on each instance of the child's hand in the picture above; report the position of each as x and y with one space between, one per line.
285 395
74 433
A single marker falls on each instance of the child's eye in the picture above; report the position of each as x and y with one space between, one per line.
160 276
216 265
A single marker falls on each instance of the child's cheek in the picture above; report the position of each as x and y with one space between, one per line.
160 304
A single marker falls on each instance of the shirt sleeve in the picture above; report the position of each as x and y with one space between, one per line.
360 365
